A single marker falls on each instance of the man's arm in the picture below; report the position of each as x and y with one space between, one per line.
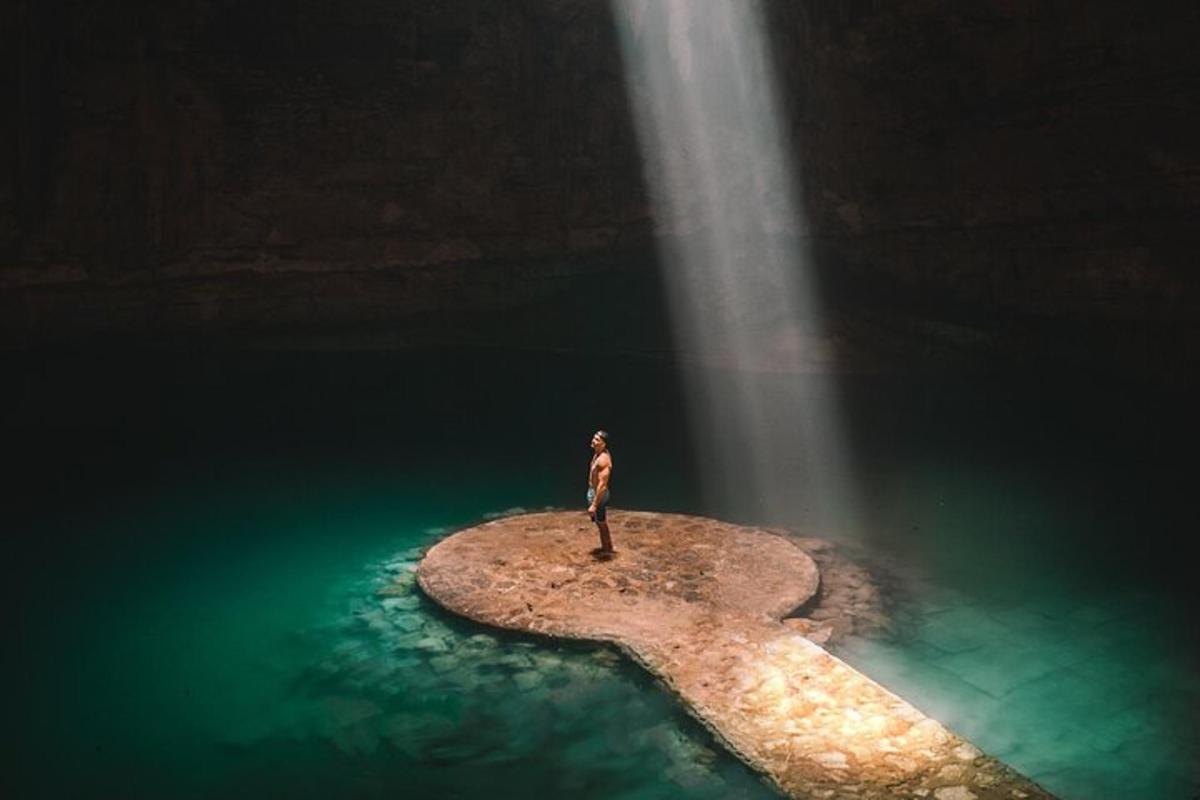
602 472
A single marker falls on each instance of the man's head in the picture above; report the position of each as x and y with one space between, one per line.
600 441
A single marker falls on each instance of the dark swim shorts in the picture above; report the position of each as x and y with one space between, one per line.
601 508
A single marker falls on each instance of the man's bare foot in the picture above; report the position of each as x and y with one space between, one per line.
603 554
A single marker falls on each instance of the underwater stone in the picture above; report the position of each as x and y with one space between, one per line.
527 680
401 603
434 644
356 740
345 711
406 622
443 663
401 588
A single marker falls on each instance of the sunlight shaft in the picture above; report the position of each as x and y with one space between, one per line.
731 232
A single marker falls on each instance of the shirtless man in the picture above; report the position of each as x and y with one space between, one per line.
598 476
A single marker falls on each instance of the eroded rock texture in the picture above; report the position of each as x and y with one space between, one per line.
214 164
1014 176
1007 177
698 603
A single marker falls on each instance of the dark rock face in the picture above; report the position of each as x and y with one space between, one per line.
1033 160
215 166
215 163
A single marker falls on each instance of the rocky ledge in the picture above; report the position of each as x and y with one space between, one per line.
699 603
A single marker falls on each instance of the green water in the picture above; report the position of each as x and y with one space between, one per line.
196 547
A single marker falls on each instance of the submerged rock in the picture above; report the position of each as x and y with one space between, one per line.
403 603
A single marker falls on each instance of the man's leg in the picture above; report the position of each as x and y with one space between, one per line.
605 537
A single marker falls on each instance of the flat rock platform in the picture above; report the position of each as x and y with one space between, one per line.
698 603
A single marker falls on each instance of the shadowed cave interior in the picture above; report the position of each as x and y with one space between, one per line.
290 291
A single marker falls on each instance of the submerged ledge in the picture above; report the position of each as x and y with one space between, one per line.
699 603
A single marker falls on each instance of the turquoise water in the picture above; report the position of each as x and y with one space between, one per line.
198 546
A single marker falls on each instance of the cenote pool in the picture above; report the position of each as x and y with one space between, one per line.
196 547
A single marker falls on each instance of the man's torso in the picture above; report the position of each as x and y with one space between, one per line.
599 462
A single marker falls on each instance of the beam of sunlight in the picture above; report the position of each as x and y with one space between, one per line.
731 233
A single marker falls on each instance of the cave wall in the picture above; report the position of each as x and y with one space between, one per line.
1027 170
216 166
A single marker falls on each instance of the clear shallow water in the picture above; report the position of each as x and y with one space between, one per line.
198 546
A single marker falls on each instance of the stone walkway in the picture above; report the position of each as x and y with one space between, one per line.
699 603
